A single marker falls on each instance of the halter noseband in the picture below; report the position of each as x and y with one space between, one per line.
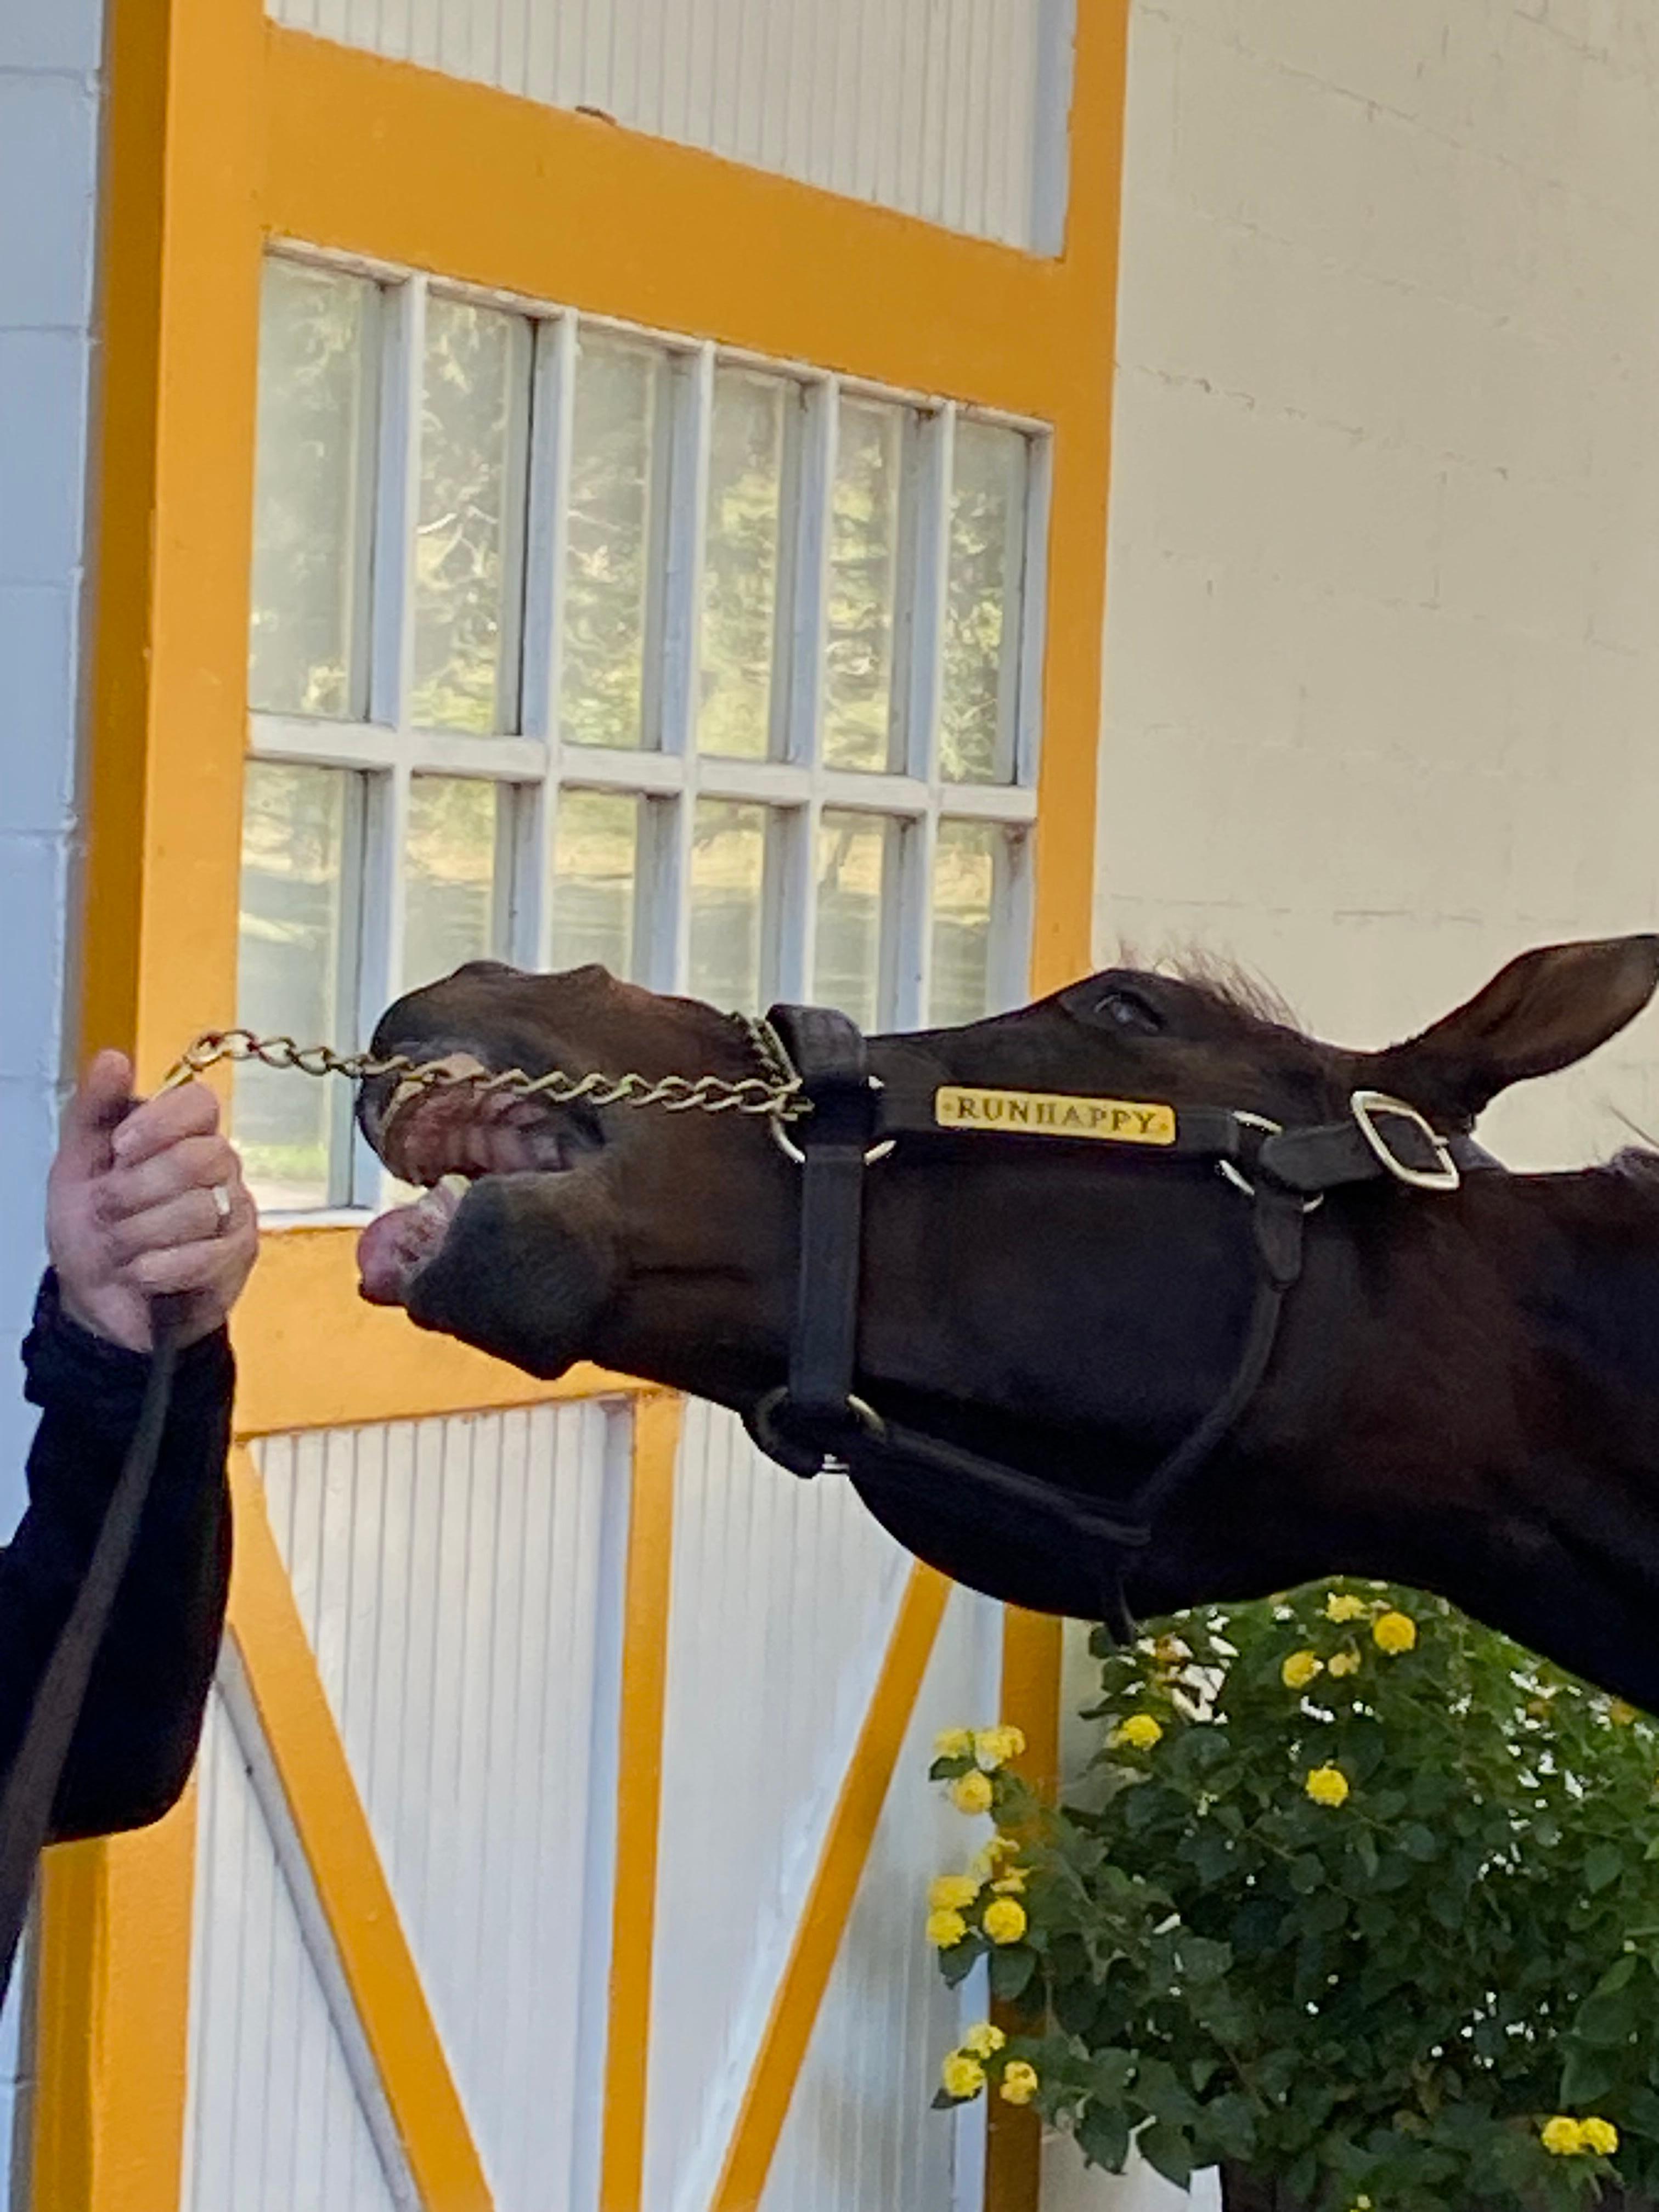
815 1422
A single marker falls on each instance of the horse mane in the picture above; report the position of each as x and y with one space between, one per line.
1226 980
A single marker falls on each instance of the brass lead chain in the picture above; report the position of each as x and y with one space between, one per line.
775 1095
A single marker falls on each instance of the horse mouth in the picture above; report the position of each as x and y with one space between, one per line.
444 1139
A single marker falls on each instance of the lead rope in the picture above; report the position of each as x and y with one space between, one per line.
31 1787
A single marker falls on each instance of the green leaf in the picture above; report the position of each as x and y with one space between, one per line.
1603 1864
1229 2122
1586 2075
1607 2021
1203 1962
1109 2073
1307 1874
959 1961
1169 2151
1618 1975
1102 2136
1011 1968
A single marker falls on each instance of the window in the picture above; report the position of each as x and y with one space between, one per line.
572 643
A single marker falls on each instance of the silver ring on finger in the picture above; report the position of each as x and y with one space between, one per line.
223 1208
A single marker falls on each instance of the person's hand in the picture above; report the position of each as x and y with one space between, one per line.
143 1202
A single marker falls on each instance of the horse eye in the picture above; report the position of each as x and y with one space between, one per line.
1128 1010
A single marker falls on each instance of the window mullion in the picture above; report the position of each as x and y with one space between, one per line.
796 959
1033 613
391 663
552 419
380 896
380 901
913 956
681 630
799 830
922 630
814 477
929 585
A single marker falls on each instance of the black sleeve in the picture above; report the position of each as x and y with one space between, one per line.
138 1733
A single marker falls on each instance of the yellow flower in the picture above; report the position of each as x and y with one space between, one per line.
1600 2135
1361 2204
1345 1662
1019 2082
952 1892
995 1746
1342 1605
1621 1715
1300 1670
946 1930
1395 1632
1561 2136
971 1792
962 2075
984 2041
953 1743
1005 1920
1328 1785
986 1861
1140 1732
1011 1884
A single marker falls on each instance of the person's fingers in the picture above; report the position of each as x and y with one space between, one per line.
192 1110
191 1218
214 1266
190 1164
95 1113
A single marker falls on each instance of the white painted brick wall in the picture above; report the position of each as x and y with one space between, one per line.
1382 632
1383 671
50 60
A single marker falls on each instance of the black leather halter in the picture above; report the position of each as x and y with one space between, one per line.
816 1422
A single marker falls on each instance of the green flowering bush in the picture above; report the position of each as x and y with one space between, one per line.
1359 1901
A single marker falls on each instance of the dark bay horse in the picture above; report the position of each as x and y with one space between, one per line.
1464 1390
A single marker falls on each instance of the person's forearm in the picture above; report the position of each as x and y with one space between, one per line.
138 1730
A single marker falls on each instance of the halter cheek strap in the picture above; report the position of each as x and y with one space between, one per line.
815 1422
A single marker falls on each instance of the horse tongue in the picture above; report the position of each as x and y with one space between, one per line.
396 1245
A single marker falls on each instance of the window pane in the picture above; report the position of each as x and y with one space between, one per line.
449 875
982 605
310 529
971 872
298 922
864 545
857 882
474 417
596 854
728 887
740 564
614 438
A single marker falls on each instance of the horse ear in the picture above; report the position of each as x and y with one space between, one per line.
1545 1011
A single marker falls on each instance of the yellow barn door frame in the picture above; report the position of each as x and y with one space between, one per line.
223 132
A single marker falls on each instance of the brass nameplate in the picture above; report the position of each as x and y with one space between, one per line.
1052 1113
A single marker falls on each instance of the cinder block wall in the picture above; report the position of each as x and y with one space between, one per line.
1383 622
51 64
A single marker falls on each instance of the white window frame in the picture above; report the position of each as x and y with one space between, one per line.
389 750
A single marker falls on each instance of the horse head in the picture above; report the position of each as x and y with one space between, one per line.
1463 1393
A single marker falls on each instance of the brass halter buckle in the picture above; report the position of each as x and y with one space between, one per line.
1366 1105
